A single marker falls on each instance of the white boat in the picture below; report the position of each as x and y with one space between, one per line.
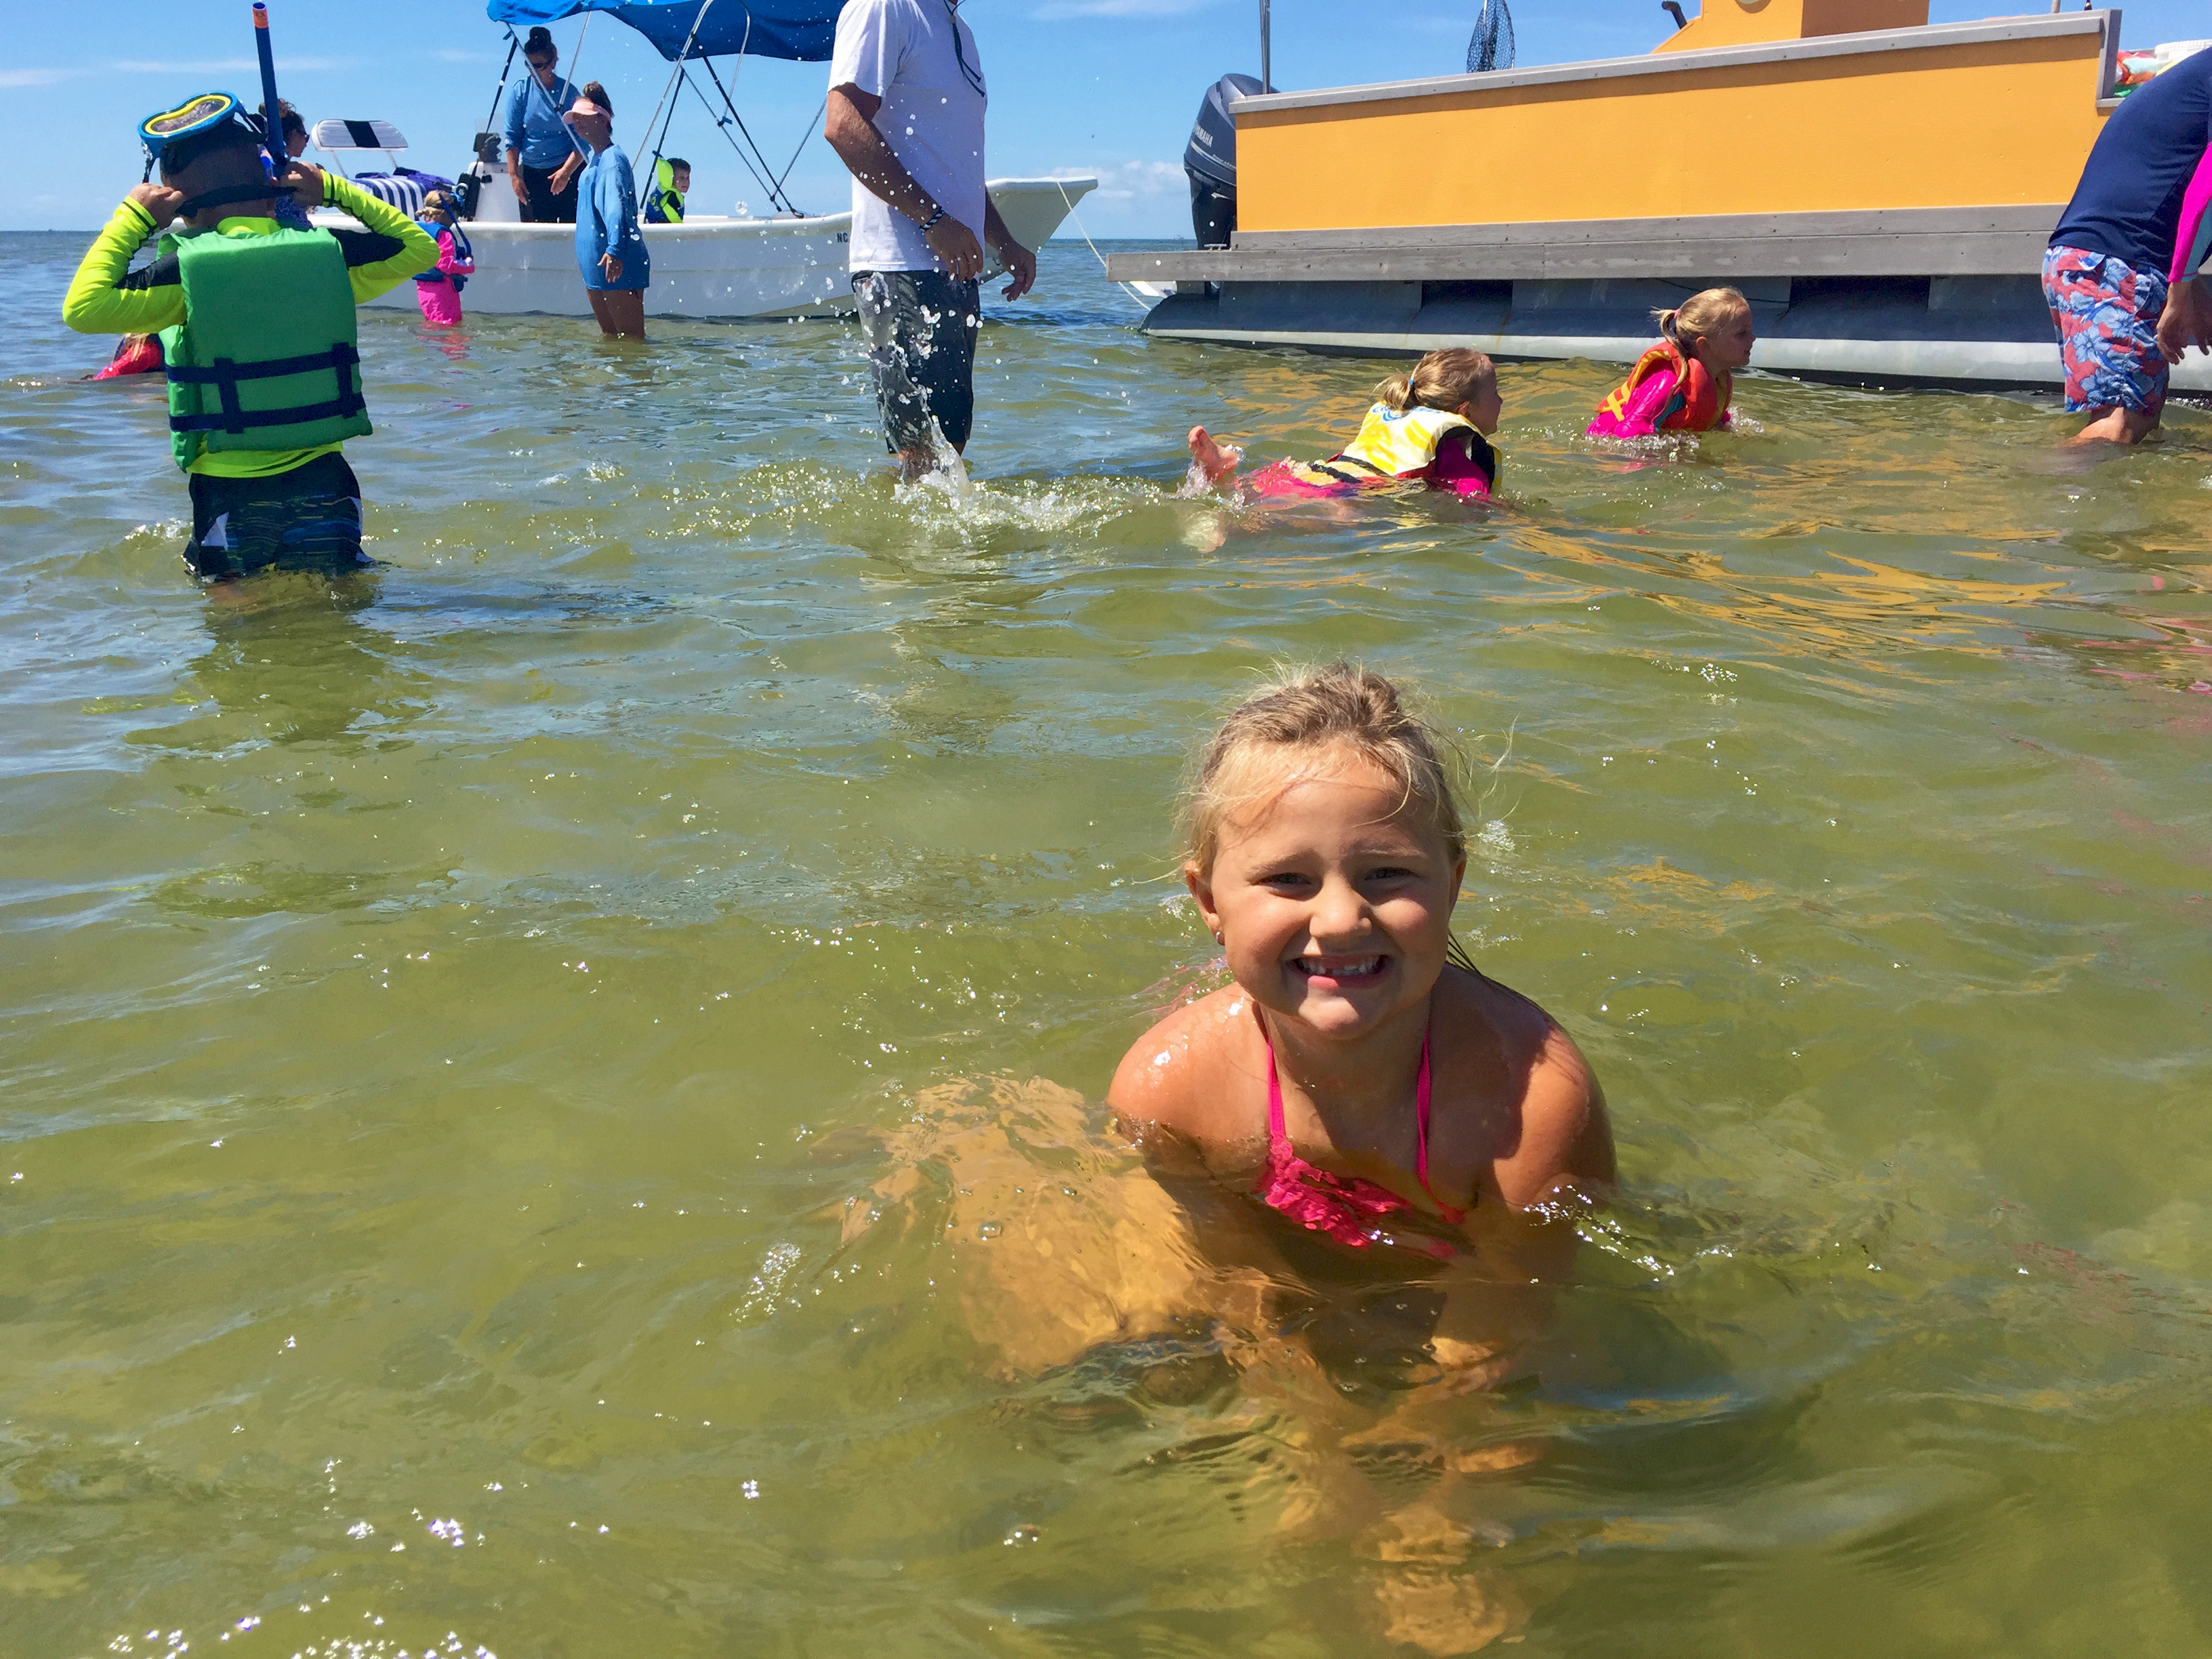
709 266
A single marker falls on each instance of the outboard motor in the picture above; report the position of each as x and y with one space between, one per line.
1210 159
478 173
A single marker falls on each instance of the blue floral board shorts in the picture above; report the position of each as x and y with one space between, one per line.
2107 314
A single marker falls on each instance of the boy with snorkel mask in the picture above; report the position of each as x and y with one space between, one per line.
257 323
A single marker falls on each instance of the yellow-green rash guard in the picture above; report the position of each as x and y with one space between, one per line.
107 297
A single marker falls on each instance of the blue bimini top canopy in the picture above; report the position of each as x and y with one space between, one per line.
803 31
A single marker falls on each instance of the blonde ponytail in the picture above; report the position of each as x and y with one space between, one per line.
1396 392
1704 314
1441 380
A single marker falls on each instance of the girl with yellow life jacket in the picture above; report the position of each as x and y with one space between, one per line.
1683 384
1430 426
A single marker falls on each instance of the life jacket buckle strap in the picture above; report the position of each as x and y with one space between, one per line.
225 373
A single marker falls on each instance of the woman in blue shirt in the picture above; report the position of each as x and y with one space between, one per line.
610 242
541 157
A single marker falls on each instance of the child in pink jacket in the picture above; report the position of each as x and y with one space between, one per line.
438 290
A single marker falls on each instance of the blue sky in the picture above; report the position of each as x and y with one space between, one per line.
1106 86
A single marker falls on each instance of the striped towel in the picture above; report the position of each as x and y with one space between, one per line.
404 188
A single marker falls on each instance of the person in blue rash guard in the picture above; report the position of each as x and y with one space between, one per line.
611 249
541 162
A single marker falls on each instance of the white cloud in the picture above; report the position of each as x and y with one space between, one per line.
47 77
1054 11
455 55
1123 182
209 66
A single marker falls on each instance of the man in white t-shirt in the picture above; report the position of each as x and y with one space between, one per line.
906 115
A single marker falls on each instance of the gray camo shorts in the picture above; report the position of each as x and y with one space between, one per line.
920 328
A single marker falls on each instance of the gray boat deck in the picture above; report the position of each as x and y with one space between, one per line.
1938 296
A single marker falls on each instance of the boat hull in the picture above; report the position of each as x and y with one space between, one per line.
1884 202
713 268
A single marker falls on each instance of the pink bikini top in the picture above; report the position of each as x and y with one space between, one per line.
1345 1207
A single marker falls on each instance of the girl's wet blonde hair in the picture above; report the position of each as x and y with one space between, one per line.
1702 314
1301 717
1442 379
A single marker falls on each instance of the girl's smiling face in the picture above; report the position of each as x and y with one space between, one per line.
1333 905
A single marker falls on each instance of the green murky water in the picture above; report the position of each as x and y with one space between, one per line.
447 1021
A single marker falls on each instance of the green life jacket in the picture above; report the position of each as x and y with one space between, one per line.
266 356
665 205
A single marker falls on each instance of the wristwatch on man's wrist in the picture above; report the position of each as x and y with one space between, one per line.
930 223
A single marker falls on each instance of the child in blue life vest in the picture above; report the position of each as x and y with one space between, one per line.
610 252
294 125
1684 383
1430 426
256 326
672 183
438 290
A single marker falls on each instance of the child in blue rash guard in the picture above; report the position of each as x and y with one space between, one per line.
257 324
610 242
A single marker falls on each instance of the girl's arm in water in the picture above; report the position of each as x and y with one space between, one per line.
1466 465
453 263
1564 1146
1528 1138
1645 409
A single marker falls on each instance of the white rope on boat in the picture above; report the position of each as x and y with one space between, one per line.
1135 298
653 119
806 132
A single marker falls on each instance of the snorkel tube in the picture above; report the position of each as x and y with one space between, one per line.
272 119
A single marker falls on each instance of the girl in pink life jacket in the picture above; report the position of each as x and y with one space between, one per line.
438 290
1431 425
1373 1094
1684 383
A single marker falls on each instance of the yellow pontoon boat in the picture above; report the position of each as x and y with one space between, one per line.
1881 188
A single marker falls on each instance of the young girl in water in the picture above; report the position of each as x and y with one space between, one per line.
1360 1076
1350 1157
1683 384
438 290
1432 425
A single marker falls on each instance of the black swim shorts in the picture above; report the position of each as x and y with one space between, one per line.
308 519
920 327
542 204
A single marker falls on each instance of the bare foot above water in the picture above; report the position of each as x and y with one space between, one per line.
1214 462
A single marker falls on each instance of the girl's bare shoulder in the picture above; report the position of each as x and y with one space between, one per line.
1185 1072
1552 1129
